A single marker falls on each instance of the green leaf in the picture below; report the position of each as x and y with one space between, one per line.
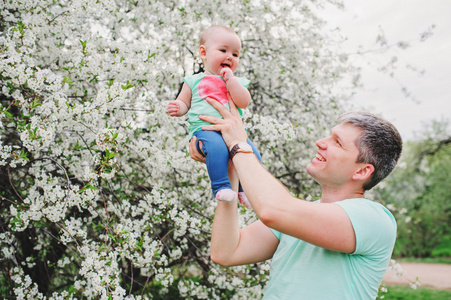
110 83
83 44
127 86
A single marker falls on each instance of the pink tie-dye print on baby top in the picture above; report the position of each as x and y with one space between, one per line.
213 87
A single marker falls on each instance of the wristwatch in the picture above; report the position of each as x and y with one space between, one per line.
240 147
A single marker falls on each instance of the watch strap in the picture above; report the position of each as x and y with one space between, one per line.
237 149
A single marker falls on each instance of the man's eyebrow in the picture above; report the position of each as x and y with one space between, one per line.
336 135
334 132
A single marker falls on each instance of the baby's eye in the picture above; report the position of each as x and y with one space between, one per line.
235 55
222 50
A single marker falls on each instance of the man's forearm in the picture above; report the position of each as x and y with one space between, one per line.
232 246
225 233
264 192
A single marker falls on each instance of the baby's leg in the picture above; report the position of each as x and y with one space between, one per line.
217 158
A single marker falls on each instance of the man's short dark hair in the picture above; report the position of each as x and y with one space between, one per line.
379 144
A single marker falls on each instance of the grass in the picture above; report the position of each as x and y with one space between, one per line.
407 293
440 255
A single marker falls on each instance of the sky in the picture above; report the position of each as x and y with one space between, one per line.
400 20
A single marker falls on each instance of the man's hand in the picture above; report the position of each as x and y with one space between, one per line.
194 153
231 127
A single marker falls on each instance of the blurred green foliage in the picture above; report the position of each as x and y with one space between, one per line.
419 192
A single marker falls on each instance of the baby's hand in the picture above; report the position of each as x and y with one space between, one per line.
226 73
173 108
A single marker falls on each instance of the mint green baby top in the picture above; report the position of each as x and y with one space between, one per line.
300 270
203 86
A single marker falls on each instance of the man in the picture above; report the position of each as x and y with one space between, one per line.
337 248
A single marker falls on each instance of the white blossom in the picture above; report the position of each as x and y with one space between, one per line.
101 172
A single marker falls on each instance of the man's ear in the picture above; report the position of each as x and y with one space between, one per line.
202 51
364 172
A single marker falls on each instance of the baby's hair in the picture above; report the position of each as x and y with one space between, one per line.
212 29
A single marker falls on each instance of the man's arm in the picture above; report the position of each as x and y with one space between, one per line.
322 224
231 246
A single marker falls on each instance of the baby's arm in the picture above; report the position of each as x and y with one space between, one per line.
240 95
181 105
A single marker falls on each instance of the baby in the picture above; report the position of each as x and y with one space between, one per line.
219 50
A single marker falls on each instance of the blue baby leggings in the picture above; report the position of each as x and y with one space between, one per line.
217 156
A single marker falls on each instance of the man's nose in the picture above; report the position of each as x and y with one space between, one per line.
321 143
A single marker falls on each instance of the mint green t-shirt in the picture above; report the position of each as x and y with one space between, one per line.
300 270
203 86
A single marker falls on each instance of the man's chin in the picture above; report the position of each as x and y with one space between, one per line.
310 170
310 167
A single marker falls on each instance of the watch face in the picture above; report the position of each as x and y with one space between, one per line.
245 146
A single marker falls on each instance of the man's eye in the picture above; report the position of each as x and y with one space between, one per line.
338 142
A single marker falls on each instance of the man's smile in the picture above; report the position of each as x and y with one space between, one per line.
320 157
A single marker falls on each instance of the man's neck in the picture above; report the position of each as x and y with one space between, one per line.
331 194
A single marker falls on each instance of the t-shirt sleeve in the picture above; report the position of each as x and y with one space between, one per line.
190 80
244 81
374 226
276 233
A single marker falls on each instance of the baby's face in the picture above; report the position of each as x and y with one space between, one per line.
221 50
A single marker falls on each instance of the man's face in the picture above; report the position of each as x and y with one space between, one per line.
335 162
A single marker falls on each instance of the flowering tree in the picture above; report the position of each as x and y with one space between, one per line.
99 198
